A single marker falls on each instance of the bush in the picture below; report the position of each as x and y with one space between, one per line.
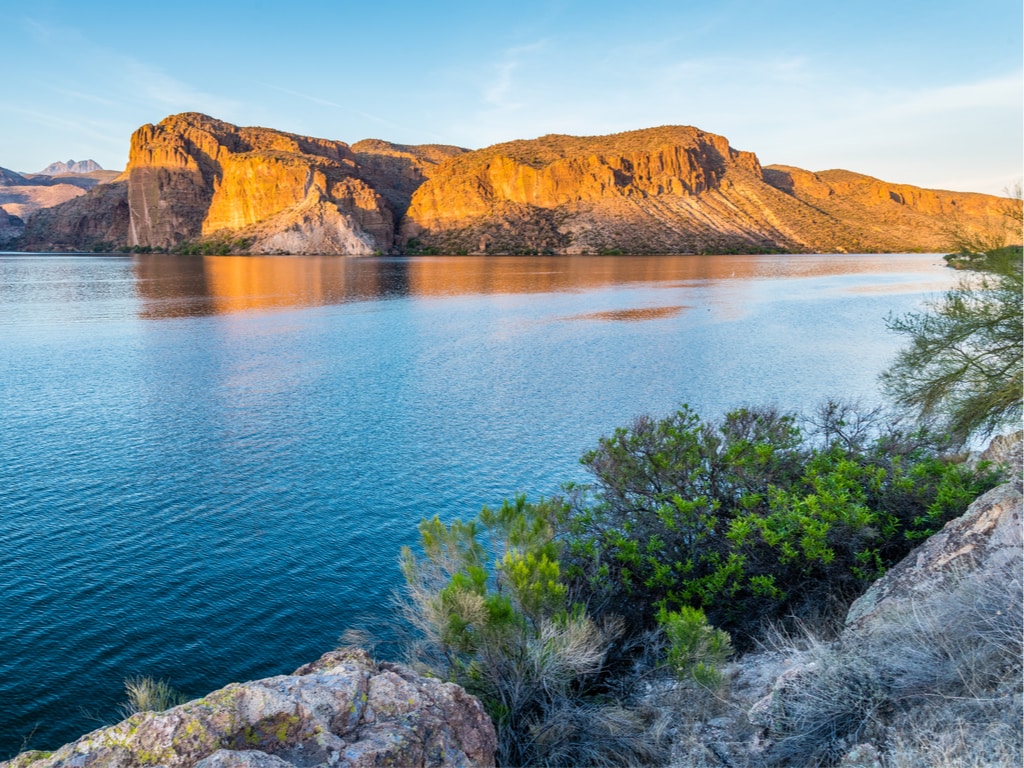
696 650
495 618
750 518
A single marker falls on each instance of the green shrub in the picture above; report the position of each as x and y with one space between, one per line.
696 650
752 519
494 616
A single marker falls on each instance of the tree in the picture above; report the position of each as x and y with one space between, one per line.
964 361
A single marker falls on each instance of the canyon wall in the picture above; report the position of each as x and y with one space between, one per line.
191 176
673 189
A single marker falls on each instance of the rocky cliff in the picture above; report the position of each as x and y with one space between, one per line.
343 711
191 176
10 227
672 189
885 216
398 170
96 219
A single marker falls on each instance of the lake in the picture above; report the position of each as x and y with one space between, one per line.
209 464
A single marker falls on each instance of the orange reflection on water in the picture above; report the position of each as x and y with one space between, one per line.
183 286
632 315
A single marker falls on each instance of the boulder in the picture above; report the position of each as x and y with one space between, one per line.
344 710
983 546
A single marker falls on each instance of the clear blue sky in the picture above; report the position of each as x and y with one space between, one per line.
926 93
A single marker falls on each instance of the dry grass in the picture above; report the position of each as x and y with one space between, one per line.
148 695
938 685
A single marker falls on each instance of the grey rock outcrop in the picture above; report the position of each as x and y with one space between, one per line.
344 711
983 546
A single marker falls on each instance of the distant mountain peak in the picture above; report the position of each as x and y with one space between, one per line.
71 166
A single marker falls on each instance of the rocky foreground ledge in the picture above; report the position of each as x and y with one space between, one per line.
344 711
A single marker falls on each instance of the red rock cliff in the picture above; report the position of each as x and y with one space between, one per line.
191 176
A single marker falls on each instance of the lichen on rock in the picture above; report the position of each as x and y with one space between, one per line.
343 710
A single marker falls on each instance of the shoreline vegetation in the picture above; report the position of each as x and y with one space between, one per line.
624 621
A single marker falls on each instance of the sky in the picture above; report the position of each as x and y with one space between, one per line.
917 92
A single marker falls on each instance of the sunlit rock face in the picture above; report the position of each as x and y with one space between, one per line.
887 216
396 171
673 189
191 176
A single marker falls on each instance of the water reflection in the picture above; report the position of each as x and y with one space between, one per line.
632 315
175 286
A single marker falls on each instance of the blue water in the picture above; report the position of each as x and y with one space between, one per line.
208 465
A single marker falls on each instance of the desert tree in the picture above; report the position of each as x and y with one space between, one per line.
964 361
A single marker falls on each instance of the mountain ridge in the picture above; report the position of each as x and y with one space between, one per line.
71 166
669 189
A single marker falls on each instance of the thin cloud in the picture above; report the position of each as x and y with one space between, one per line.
120 79
497 93
999 92
347 108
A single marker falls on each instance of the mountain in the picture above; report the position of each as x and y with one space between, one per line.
10 227
71 166
192 176
22 195
398 170
94 220
673 189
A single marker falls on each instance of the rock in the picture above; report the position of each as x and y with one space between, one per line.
10 226
637 191
23 196
243 758
882 216
96 220
673 189
24 201
396 171
342 710
1006 451
982 546
862 756
191 176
